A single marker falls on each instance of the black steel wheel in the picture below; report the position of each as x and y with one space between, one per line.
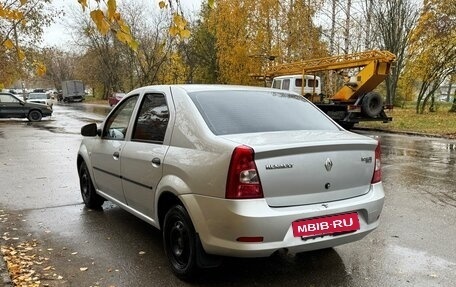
89 196
372 104
179 242
35 116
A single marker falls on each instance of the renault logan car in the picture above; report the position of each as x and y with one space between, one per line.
13 107
232 171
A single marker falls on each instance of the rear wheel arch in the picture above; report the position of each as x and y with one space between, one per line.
166 201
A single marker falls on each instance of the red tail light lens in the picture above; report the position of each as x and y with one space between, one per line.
377 177
243 181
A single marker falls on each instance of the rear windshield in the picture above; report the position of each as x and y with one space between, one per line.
236 112
37 96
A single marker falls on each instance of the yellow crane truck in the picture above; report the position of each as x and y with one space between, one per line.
355 101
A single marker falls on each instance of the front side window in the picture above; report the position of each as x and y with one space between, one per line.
152 120
117 124
276 84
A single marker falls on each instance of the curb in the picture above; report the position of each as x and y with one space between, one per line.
4 275
448 137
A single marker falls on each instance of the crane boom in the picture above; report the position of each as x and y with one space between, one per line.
338 62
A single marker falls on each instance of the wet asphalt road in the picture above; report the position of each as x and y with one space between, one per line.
39 200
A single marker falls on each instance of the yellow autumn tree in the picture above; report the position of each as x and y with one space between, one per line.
232 34
107 18
252 34
21 23
174 70
432 50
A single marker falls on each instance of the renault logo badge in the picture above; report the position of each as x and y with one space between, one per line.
328 164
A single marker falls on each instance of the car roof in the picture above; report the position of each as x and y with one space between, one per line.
189 88
5 93
296 77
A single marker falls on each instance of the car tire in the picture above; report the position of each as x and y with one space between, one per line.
34 116
372 104
91 199
179 240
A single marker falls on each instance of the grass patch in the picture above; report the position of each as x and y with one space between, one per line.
441 122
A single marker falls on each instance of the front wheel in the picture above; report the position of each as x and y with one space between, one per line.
34 116
179 241
91 199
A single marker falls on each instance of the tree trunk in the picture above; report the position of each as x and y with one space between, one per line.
333 28
347 28
450 86
332 48
453 107
432 106
367 41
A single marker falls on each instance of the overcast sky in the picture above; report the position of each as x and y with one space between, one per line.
58 35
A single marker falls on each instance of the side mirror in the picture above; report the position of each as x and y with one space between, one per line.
90 130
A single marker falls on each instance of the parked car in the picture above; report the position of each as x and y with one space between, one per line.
13 107
232 171
40 98
115 98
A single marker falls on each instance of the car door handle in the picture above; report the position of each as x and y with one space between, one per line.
115 155
156 162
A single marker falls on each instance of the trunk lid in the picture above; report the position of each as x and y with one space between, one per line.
307 167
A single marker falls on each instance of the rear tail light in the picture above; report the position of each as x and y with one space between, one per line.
377 177
243 181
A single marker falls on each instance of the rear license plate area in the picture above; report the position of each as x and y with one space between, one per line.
326 225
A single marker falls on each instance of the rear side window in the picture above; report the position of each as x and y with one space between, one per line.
298 82
235 112
153 117
312 82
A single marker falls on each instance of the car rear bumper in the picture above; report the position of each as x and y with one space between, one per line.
220 222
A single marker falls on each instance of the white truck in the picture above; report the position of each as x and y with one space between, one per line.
73 91
310 87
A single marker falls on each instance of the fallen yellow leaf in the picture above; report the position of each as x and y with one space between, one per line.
8 44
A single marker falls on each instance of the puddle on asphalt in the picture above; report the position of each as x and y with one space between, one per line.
415 261
93 109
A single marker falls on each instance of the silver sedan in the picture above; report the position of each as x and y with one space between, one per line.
232 171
